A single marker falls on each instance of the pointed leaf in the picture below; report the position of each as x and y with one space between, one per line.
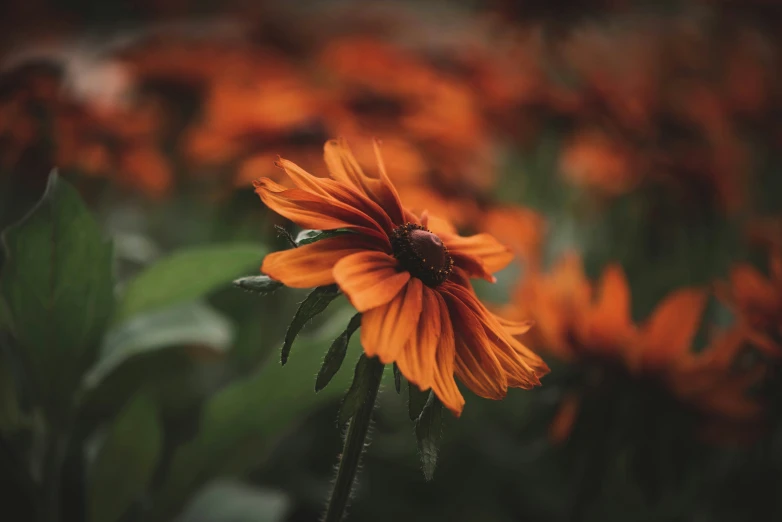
336 354
258 284
428 432
315 303
363 376
416 400
125 462
187 275
308 236
57 284
397 379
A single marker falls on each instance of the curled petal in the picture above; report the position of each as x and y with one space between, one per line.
309 210
344 168
369 279
522 366
341 192
312 265
515 327
480 255
476 363
386 329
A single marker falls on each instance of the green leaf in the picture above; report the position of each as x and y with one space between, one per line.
186 324
308 236
397 379
58 287
233 501
125 462
428 432
315 303
416 400
258 284
240 423
358 391
336 354
187 275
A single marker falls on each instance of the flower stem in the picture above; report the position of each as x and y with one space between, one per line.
354 445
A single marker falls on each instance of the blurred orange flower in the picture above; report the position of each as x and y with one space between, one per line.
757 300
591 325
407 274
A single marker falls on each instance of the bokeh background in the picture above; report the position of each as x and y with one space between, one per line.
586 135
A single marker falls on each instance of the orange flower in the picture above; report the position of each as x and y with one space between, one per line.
757 300
577 324
407 274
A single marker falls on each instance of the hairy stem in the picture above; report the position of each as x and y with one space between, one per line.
354 446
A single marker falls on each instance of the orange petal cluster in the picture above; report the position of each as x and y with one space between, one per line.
583 323
432 332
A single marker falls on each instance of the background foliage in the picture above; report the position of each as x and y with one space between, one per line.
136 383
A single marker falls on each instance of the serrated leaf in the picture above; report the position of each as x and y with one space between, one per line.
260 284
416 400
187 275
397 379
58 286
359 388
186 324
428 432
125 462
315 303
336 354
308 236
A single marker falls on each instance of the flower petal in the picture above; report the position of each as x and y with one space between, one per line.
386 329
443 383
480 255
608 322
339 191
476 364
521 365
309 210
344 168
369 279
669 332
418 358
515 327
312 265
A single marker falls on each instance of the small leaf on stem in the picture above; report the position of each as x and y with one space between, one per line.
315 303
416 400
336 354
428 432
308 236
261 284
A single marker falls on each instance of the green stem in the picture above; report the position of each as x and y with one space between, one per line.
51 501
354 446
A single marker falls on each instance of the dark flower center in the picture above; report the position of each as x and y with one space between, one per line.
422 254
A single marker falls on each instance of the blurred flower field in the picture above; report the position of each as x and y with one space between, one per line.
608 173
